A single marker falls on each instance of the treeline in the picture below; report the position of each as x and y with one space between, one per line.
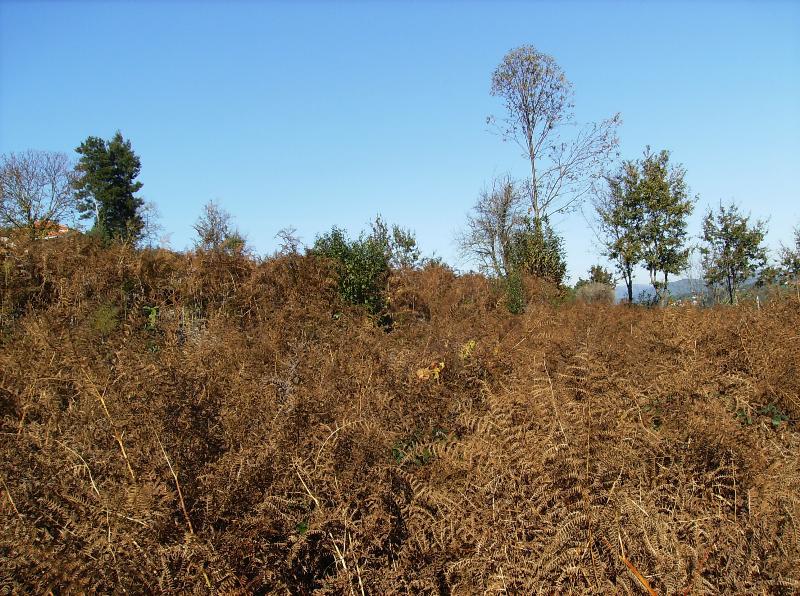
641 208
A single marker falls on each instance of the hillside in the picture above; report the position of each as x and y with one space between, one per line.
202 423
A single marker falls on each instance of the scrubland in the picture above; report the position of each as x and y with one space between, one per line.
205 423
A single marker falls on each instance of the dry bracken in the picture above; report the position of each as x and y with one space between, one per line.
211 424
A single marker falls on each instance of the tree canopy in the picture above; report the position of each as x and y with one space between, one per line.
666 207
620 216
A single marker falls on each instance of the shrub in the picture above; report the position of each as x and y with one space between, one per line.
283 450
515 293
362 267
595 293
538 251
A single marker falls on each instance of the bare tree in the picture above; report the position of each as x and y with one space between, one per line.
490 227
151 225
290 241
538 101
36 191
216 232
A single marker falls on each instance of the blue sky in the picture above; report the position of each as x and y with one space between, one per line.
314 114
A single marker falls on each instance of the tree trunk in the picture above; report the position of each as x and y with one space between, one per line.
534 187
731 288
628 276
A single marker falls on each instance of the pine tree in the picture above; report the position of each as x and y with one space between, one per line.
107 186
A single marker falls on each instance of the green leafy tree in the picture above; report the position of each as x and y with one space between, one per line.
107 187
399 243
597 275
620 217
666 206
733 249
600 275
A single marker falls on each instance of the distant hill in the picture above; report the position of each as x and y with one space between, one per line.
677 289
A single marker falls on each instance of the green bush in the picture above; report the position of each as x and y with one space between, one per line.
362 266
515 293
538 251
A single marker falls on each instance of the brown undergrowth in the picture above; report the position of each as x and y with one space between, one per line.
198 423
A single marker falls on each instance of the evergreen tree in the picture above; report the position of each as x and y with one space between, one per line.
598 289
107 185
734 249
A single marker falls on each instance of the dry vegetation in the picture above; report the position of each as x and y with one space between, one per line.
204 423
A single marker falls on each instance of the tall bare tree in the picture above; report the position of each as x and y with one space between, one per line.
491 225
565 159
36 191
151 225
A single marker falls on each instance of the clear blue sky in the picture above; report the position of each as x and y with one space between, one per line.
314 114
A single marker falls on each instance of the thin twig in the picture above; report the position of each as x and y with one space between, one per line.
632 568
10 499
177 484
117 435
305 486
553 399
85 465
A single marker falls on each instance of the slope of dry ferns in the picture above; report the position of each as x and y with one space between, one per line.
199 423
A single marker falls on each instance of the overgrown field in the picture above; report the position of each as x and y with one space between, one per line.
204 423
